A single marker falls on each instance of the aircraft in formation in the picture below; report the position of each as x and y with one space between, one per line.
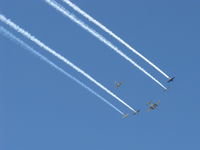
151 105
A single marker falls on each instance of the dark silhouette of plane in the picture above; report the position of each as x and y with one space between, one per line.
152 105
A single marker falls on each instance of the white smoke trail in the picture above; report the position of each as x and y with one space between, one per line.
45 47
90 18
100 37
26 46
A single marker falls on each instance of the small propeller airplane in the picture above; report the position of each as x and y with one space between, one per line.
118 84
170 80
152 106
135 113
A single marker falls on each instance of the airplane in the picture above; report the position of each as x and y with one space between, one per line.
171 79
118 84
153 106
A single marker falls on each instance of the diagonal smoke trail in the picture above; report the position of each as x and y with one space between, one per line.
26 46
90 18
100 37
45 47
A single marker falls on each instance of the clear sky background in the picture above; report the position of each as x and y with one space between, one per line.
40 108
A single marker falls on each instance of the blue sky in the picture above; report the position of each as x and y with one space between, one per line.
43 109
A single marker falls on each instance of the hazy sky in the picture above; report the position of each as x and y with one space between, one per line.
40 108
